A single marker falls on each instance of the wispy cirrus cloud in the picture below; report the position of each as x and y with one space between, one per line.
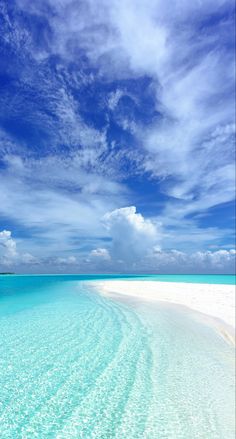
97 110
55 198
190 63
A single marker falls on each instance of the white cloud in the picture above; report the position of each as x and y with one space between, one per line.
102 253
174 261
135 252
55 197
114 98
193 95
28 259
189 148
192 80
9 255
7 247
132 235
192 75
70 260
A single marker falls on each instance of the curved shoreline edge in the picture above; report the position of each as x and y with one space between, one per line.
214 303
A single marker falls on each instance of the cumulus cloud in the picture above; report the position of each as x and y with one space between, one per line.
174 261
186 146
133 248
7 247
36 193
18 259
9 255
132 235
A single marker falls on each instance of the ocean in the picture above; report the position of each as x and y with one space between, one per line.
74 364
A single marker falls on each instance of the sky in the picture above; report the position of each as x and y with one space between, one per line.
117 132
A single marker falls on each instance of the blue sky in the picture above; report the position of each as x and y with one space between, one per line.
117 130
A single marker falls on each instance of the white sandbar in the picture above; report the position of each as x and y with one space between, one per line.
216 301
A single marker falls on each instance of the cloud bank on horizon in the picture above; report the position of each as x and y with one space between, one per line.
117 132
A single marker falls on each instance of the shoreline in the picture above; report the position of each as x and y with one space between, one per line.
214 304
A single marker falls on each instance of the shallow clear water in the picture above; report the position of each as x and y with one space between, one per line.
219 279
76 365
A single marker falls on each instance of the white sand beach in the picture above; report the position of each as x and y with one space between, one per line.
215 301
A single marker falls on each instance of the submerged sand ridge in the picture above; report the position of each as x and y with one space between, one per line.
215 301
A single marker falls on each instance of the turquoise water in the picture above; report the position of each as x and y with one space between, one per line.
77 365
219 279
